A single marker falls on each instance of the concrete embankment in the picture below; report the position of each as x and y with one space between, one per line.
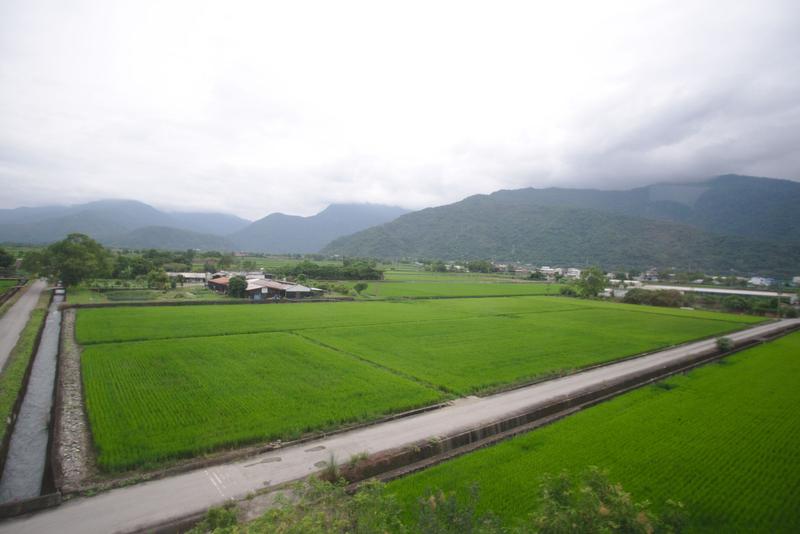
467 421
24 469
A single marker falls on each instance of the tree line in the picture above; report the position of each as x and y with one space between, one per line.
351 269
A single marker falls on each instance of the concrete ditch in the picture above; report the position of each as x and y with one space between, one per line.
26 474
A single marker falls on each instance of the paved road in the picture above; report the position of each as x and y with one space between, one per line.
154 502
15 319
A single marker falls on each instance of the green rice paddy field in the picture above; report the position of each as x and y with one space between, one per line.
411 275
721 439
167 382
457 288
7 284
154 400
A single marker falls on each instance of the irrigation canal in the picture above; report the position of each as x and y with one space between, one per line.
24 469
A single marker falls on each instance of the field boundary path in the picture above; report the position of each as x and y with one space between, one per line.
15 319
153 503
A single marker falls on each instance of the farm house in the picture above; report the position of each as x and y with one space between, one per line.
219 284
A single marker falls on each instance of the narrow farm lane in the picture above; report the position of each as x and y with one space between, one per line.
15 319
151 503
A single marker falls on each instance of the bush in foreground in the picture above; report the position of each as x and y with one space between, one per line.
587 503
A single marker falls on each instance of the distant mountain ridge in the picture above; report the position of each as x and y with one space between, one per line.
747 206
167 238
730 222
282 233
134 224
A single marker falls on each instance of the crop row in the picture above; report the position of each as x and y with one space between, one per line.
458 289
140 323
468 355
158 400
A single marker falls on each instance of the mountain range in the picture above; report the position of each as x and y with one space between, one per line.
133 224
727 223
280 233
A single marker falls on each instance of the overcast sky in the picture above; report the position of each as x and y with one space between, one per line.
255 107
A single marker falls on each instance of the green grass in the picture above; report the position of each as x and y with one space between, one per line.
166 382
7 284
83 295
461 288
142 323
17 363
405 275
721 439
469 355
158 400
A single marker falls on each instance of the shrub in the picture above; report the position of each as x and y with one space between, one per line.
736 303
218 518
591 503
662 297
588 503
318 507
568 291
724 344
237 286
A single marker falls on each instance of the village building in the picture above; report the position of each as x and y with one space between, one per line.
761 281
190 278
219 284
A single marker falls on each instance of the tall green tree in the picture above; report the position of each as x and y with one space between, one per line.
226 260
76 258
6 261
237 286
157 279
33 262
592 282
480 266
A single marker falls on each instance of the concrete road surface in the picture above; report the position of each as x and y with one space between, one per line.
151 503
15 319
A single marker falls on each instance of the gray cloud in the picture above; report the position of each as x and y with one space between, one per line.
259 107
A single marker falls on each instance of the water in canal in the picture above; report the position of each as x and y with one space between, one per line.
27 453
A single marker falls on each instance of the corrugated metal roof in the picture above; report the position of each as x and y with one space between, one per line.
272 284
298 289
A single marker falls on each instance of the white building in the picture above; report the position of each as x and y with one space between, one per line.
551 272
760 281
